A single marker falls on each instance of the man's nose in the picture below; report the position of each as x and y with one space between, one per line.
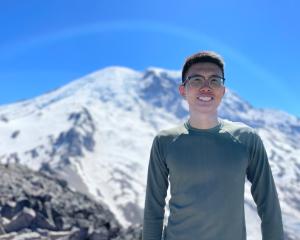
205 86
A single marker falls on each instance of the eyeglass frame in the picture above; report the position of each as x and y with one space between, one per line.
197 75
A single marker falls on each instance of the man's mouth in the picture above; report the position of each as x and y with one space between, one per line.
205 98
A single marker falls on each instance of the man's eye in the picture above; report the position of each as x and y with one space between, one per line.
194 82
214 80
197 79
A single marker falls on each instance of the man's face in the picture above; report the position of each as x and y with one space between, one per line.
203 99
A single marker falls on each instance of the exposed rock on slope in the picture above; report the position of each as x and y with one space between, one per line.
35 205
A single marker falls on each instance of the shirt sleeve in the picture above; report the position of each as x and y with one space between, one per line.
156 191
264 191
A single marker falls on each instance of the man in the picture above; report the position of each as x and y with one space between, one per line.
207 160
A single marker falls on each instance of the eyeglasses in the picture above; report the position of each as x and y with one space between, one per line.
198 81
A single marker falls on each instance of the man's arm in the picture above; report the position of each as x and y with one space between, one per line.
264 191
156 191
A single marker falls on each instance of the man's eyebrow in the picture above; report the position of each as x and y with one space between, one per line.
196 75
199 75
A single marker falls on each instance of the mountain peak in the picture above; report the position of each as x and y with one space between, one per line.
162 72
112 71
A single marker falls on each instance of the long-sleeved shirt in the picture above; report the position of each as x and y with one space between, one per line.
207 170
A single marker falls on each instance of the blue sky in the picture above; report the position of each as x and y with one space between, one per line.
46 44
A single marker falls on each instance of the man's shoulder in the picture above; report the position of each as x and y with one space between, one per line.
232 126
173 131
166 136
240 131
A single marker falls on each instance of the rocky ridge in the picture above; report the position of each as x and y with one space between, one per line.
36 205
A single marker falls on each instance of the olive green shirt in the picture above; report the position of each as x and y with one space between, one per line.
206 170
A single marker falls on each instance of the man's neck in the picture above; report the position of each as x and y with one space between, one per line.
204 121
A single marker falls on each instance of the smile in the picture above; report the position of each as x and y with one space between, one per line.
205 98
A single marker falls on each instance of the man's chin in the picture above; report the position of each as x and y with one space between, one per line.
204 110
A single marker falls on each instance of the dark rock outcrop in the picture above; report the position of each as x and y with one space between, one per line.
35 205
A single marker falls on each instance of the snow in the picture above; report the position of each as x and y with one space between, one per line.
127 110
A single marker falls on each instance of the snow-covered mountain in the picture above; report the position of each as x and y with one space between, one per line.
96 132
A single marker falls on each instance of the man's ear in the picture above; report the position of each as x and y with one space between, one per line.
181 89
224 91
